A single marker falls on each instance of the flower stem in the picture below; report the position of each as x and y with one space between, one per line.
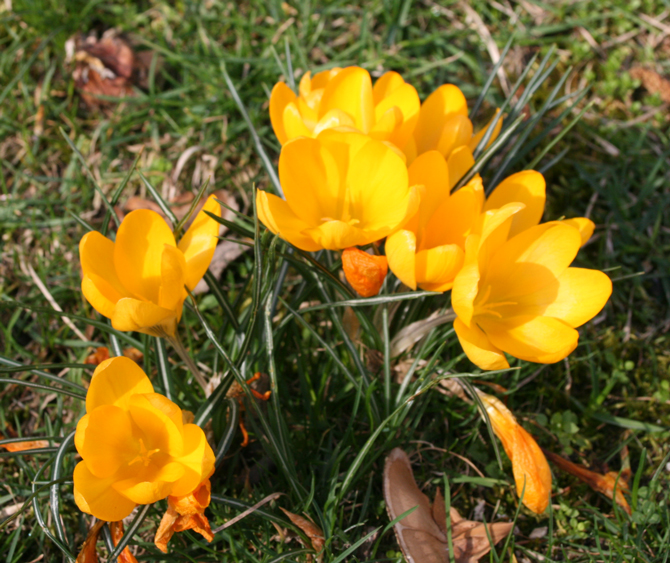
190 364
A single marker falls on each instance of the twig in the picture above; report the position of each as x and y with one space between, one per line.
248 511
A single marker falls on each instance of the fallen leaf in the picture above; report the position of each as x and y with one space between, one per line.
422 535
312 531
23 446
134 354
653 82
604 484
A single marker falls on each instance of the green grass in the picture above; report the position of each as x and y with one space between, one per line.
323 437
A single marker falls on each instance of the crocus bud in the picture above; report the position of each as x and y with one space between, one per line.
364 271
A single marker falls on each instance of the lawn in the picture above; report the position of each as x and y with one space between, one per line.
583 85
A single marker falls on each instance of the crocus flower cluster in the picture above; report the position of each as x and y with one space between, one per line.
360 163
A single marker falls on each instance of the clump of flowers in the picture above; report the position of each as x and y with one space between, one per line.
134 444
138 280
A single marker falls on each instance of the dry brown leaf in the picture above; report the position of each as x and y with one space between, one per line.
604 484
96 358
134 354
653 82
23 446
422 535
312 531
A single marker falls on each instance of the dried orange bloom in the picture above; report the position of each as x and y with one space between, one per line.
342 189
185 512
89 552
135 446
443 125
138 280
516 292
531 470
345 97
365 272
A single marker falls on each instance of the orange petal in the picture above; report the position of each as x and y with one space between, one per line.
116 529
88 552
531 470
143 316
165 529
114 381
171 293
583 225
97 496
365 272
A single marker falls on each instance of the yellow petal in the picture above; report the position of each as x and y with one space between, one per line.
445 102
385 85
377 182
199 242
405 98
159 421
142 316
583 225
334 118
305 86
430 170
459 163
138 252
437 267
527 187
400 250
198 461
80 434
532 260
544 340
108 443
576 297
480 134
114 381
171 294
294 123
280 97
456 132
386 124
321 79
103 287
337 235
478 348
97 497
145 488
466 283
494 229
277 216
350 91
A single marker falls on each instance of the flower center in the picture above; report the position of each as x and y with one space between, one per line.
144 455
484 308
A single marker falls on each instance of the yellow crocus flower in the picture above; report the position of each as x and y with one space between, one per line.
134 445
519 295
429 250
345 97
342 189
138 280
531 470
443 125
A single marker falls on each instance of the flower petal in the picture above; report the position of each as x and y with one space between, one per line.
280 97
100 294
277 216
350 91
443 103
294 123
138 252
459 163
159 421
466 283
334 118
583 225
97 497
576 297
437 267
456 132
199 242
198 460
142 316
386 124
108 443
527 187
400 250
114 381
429 170
337 235
544 340
171 294
478 348
385 85
146 488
